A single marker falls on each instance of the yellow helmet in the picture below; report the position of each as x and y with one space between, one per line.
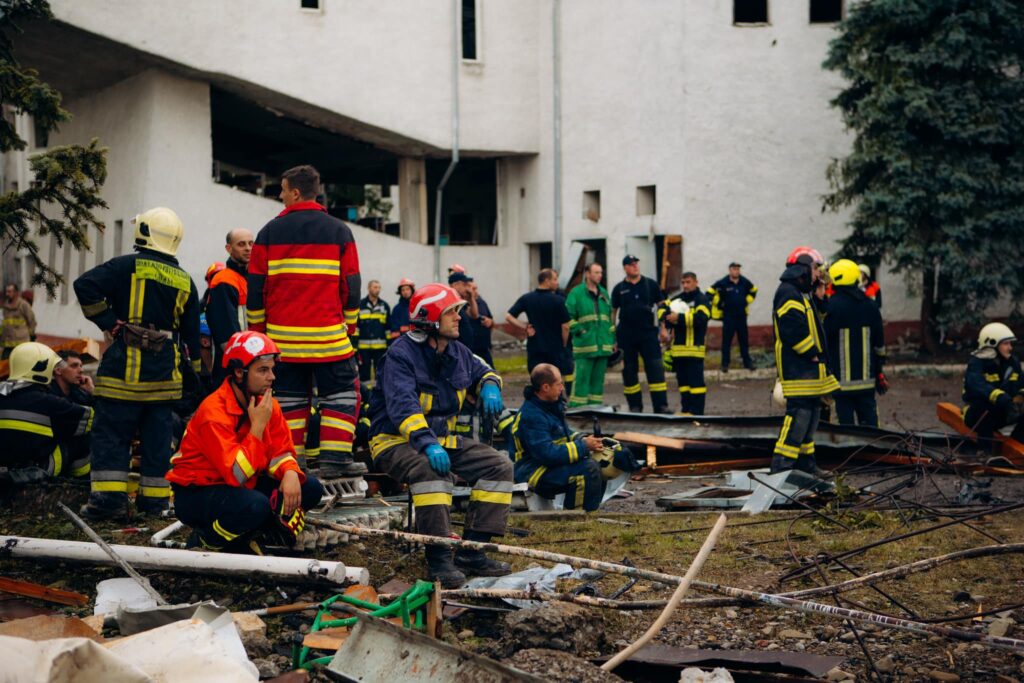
159 229
994 334
33 362
844 272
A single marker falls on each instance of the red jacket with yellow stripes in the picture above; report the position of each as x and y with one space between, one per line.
218 449
304 284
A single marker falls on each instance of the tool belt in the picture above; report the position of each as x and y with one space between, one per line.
145 338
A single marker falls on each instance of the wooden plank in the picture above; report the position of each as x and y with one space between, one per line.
714 467
1011 449
650 440
651 457
435 617
35 590
333 638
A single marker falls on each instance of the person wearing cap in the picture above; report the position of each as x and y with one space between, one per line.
482 326
994 386
730 302
635 303
547 326
461 283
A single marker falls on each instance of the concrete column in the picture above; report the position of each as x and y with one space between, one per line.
412 199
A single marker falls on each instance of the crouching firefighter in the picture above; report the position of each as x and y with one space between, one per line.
236 475
36 427
800 356
993 386
423 380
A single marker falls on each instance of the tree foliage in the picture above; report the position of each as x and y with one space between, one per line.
934 95
67 179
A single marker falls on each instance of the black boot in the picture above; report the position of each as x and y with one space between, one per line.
149 506
334 465
440 567
105 505
476 563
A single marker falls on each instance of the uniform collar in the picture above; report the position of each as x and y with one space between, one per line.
237 267
228 398
303 206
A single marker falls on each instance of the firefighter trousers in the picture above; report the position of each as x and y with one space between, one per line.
692 389
485 469
735 326
337 389
581 482
114 428
795 446
633 349
857 407
985 419
368 360
588 387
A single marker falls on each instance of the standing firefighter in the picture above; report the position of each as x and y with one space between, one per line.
800 360
398 323
19 324
994 386
635 302
149 306
856 347
304 294
226 298
424 379
373 331
686 315
593 336
730 302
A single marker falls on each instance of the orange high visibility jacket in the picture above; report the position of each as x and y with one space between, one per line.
218 449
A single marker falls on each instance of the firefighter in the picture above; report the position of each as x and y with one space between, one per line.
225 307
69 382
304 294
37 427
373 331
398 323
19 323
870 287
686 317
856 347
730 302
635 302
236 473
994 386
592 334
424 378
149 306
800 359
550 457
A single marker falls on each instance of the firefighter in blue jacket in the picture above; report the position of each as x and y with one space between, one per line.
373 331
994 386
686 315
150 307
800 355
424 378
730 302
549 456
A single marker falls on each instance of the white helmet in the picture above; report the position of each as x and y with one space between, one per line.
159 229
33 362
679 306
994 334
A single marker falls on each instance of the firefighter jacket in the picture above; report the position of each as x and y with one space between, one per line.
225 308
874 292
730 298
689 329
19 323
855 339
542 439
149 289
304 285
419 393
800 356
218 449
992 380
373 324
590 322
33 425
398 323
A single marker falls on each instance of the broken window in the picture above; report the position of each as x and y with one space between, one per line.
592 205
645 200
826 11
469 30
750 11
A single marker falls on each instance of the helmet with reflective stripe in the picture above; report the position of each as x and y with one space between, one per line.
994 334
214 268
800 251
159 229
405 282
844 273
33 362
430 302
245 348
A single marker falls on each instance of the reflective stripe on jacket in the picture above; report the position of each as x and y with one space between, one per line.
855 339
542 439
991 379
799 342
690 328
373 324
590 322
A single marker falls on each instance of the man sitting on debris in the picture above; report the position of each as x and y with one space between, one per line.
994 386
236 474
424 379
36 427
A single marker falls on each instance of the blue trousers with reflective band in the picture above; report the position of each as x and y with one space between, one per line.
115 426
581 482
857 407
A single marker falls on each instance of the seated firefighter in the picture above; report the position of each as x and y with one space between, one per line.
993 386
39 430
422 382
236 475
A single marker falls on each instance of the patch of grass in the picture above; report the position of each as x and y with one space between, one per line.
514 364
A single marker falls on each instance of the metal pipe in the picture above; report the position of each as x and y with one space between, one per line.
455 141
556 126
159 539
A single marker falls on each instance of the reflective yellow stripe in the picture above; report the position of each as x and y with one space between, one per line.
115 486
790 306
343 446
658 386
996 393
90 310
424 499
337 423
631 389
580 485
490 497
23 426
574 453
276 463
537 474
155 491
304 266
426 402
244 463
221 531
257 316
384 442
699 390
804 345
412 423
164 273
297 423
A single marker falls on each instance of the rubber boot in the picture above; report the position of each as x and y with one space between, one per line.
334 465
440 567
105 505
152 507
781 463
476 563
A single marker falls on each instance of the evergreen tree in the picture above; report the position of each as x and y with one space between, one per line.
67 179
935 178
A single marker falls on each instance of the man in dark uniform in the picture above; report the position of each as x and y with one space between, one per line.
71 384
149 305
994 386
547 326
226 298
686 317
398 323
730 302
635 302
373 328
482 326
460 282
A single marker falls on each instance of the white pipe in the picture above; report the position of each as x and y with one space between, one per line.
172 560
159 538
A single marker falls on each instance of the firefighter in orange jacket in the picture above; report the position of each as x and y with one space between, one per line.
236 474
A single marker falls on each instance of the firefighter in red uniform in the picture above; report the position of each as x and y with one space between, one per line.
225 308
236 473
304 294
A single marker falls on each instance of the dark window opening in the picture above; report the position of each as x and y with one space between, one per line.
826 11
309 4
469 29
40 134
540 258
750 11
581 254
646 200
469 205
592 205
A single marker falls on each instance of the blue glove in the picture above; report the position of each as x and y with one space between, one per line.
490 397
438 457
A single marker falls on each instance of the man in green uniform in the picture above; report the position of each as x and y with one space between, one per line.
593 336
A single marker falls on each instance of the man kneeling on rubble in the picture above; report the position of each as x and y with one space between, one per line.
994 386
236 474
422 382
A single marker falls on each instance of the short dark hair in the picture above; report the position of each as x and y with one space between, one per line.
591 265
64 354
544 275
371 282
541 375
305 179
688 274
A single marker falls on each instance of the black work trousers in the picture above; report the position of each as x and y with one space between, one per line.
735 325
368 360
692 389
115 426
647 347
857 407
985 419
795 446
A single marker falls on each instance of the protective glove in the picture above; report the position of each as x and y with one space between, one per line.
288 526
490 398
438 457
881 384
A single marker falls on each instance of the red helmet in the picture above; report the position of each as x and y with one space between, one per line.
800 251
214 268
430 302
245 348
402 283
